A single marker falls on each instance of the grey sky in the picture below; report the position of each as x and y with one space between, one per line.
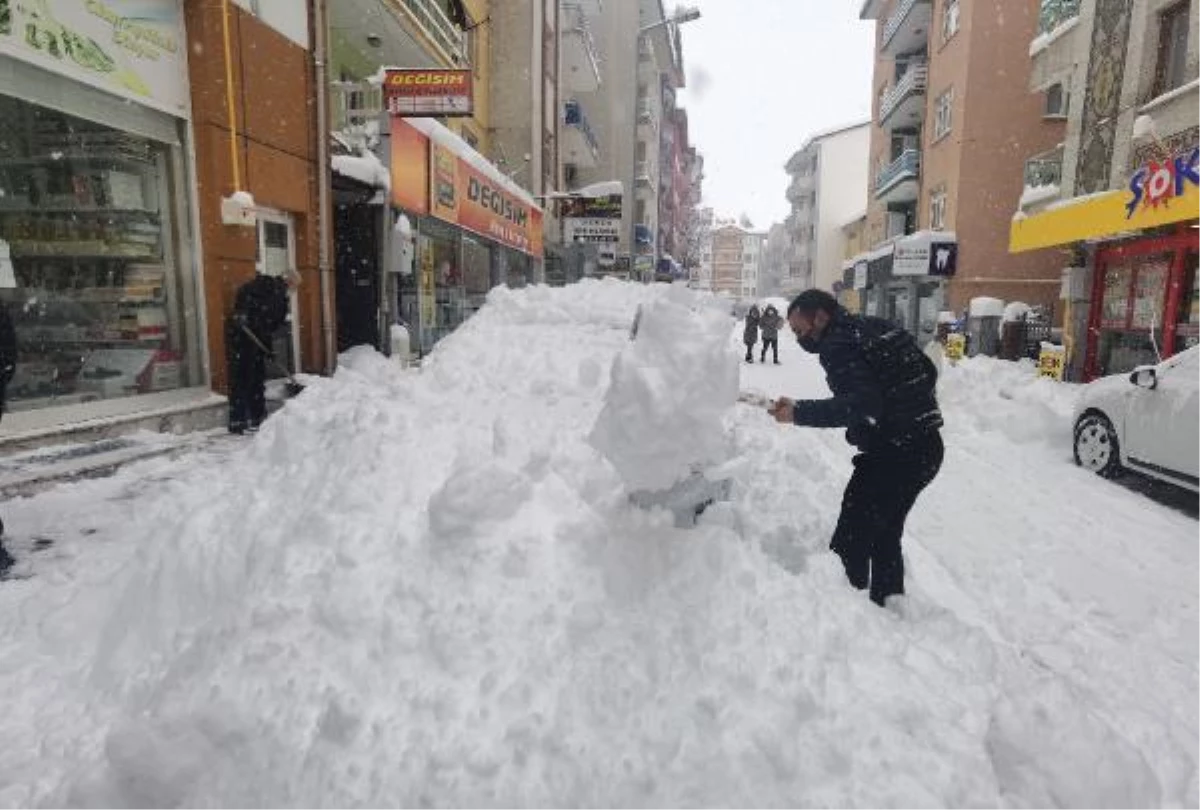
762 75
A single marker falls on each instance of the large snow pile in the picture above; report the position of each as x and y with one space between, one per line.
428 588
990 396
671 389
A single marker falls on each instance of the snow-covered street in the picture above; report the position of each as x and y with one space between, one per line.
428 588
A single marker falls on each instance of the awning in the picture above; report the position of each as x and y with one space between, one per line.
1157 195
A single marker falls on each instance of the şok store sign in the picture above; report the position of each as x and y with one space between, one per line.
436 173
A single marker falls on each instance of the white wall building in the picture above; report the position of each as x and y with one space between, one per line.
828 189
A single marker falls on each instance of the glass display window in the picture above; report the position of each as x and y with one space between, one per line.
87 268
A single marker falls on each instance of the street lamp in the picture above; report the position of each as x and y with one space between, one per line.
683 14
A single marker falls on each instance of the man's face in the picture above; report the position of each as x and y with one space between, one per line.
808 328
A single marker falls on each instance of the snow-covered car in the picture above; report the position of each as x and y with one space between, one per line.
1147 422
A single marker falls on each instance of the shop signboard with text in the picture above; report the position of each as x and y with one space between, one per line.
429 178
461 194
133 49
1163 191
592 220
442 93
925 254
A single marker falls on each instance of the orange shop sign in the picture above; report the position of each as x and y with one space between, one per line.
430 178
429 92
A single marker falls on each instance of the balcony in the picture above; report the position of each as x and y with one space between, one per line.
1043 179
581 68
579 141
646 113
898 181
907 29
433 22
904 104
644 175
1059 43
800 187
1054 13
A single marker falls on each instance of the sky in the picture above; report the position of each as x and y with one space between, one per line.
763 75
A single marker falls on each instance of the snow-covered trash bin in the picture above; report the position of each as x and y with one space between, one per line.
983 326
661 425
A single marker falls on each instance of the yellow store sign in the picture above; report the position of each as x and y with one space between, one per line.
1159 193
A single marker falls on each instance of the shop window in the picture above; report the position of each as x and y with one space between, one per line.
88 272
1171 67
477 271
1187 320
1131 312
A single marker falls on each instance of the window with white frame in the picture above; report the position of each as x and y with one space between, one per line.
937 208
942 116
949 19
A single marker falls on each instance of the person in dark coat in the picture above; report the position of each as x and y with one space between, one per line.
770 323
259 311
750 336
8 368
884 396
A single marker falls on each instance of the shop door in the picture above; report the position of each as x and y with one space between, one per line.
357 246
276 256
1161 427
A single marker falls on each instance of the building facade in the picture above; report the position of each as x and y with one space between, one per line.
737 257
114 171
1118 199
828 186
948 145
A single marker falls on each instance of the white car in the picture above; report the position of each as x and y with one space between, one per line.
1147 422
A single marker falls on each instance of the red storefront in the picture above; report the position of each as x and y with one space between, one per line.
1145 301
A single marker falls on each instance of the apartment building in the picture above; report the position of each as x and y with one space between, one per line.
951 129
737 256
1118 197
828 186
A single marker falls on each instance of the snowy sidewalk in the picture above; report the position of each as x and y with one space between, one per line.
426 588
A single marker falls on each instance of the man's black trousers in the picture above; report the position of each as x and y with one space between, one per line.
886 482
247 380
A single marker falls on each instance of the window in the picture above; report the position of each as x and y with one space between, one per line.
937 209
1172 48
640 212
1056 102
949 19
942 114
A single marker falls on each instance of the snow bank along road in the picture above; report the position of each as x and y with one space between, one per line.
428 588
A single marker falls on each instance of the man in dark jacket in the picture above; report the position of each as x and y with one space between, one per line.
8 368
260 309
770 323
884 396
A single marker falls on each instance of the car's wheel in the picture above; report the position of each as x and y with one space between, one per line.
1096 445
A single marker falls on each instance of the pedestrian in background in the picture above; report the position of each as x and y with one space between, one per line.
750 336
770 323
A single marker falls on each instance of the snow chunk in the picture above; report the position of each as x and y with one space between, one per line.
364 168
670 390
946 316
984 307
1016 311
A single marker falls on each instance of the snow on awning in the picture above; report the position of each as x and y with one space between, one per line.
439 134
366 169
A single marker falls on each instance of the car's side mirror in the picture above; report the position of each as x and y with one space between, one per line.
1145 378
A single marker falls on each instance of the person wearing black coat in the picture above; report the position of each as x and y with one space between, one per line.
769 324
8 368
750 335
259 311
884 395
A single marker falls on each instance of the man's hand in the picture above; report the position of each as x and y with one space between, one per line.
782 410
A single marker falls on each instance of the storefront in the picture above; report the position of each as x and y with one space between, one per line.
1142 246
94 203
474 228
904 281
